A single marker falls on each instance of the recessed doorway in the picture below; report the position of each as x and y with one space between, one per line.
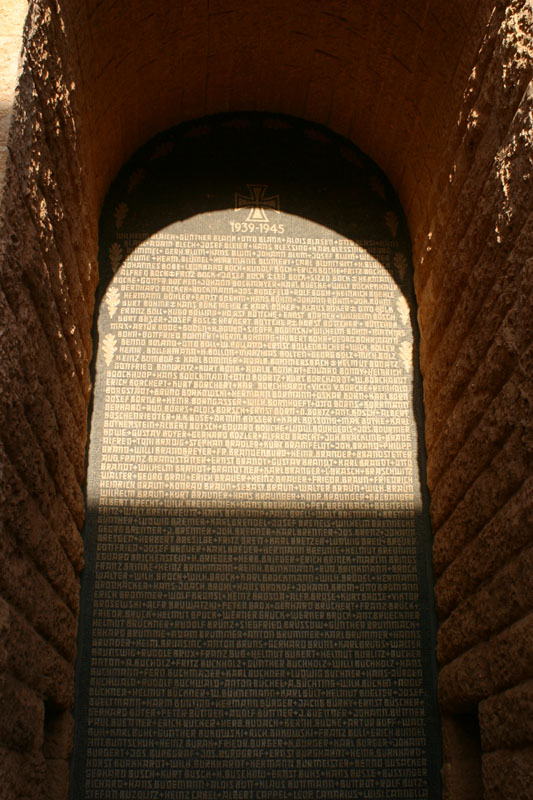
256 609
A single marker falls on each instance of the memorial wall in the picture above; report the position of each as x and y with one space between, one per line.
256 615
439 95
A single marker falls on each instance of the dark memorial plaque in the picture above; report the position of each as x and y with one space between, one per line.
256 616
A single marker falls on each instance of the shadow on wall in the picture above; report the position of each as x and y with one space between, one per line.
271 649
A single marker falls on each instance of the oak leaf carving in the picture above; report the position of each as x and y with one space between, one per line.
115 256
136 178
120 214
162 150
391 221
406 354
403 309
112 299
377 186
400 262
109 348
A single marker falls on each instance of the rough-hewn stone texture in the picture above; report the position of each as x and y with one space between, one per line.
506 720
508 774
488 668
440 95
498 603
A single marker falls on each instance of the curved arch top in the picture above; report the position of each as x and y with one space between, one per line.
190 170
383 75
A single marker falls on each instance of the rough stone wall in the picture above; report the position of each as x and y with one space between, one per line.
47 282
474 281
439 95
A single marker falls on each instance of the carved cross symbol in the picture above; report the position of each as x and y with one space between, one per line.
257 202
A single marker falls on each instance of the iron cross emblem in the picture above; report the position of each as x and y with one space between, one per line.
257 202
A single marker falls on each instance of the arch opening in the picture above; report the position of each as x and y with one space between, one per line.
275 541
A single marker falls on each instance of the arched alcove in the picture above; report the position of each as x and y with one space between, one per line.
257 610
437 95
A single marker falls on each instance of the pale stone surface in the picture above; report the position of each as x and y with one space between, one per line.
12 16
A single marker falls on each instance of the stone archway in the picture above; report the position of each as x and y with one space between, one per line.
256 614
443 106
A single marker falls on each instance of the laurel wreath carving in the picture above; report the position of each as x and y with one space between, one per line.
406 354
120 214
403 309
400 262
109 348
112 300
115 256
391 221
